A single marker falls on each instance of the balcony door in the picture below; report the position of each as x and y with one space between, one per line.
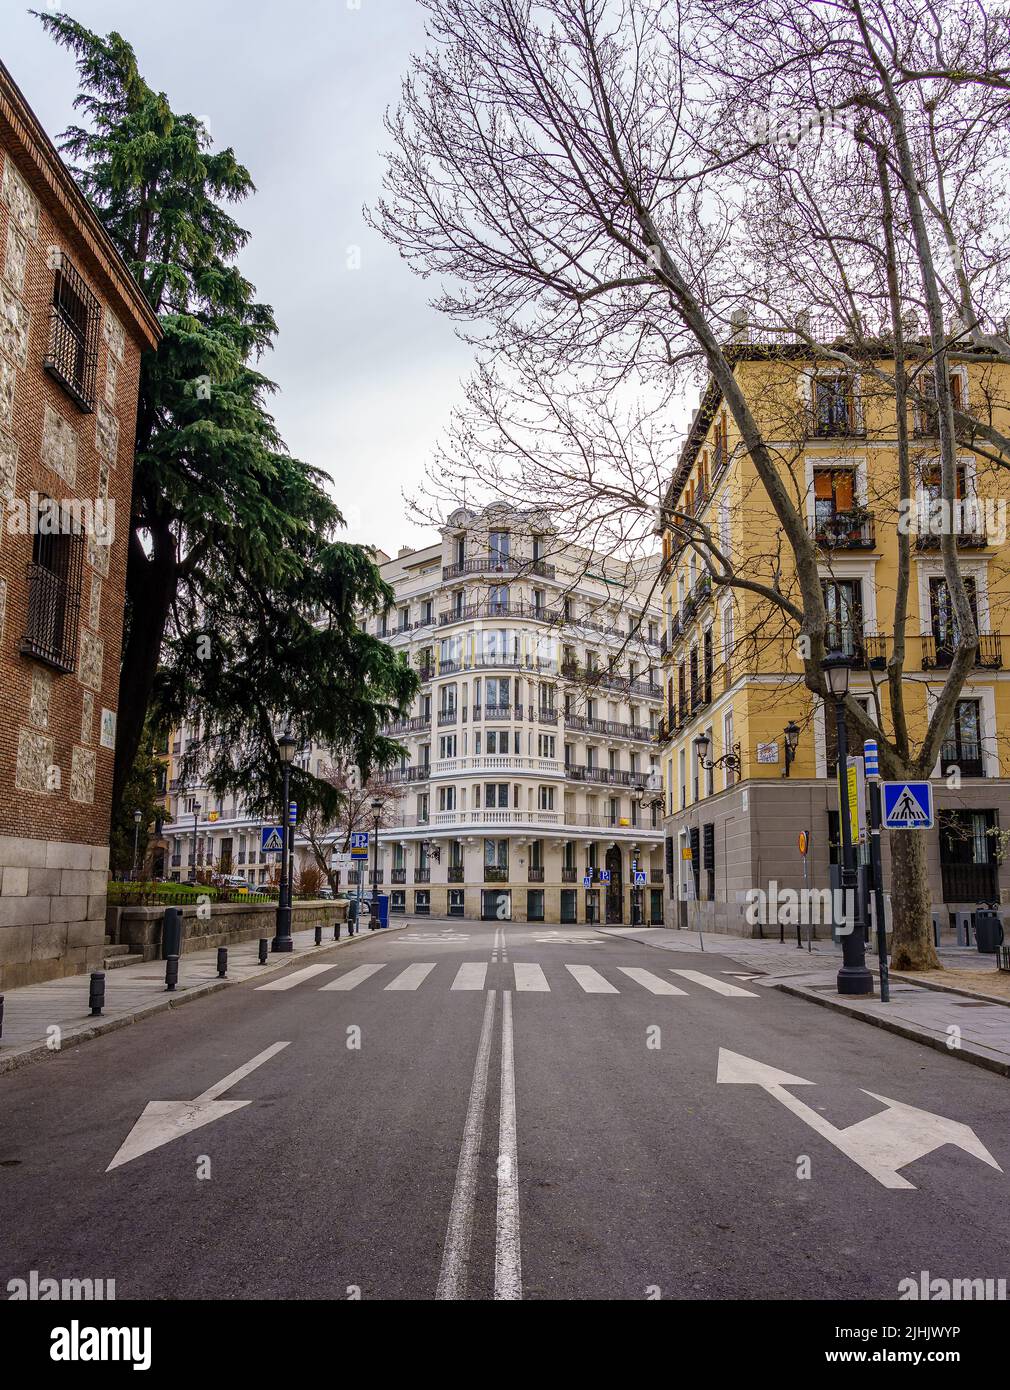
942 616
843 603
962 747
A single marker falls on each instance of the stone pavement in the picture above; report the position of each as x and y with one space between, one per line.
133 992
953 1020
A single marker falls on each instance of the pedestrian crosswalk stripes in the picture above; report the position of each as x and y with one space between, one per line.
530 978
470 975
653 983
720 986
591 980
526 977
412 976
354 977
289 981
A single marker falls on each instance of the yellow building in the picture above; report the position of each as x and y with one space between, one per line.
732 671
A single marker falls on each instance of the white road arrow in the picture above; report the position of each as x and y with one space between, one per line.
164 1120
882 1144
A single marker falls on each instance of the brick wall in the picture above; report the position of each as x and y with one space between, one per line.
57 733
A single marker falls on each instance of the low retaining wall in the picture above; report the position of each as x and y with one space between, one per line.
202 929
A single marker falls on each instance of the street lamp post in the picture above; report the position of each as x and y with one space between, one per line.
196 822
282 941
377 813
853 976
138 816
791 734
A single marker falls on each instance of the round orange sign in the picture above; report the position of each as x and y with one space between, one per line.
804 842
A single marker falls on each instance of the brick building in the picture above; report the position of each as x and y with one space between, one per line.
73 324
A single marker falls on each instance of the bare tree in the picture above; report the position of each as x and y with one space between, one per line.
327 835
589 184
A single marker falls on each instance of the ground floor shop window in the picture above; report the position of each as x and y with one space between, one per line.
535 905
592 904
455 902
422 901
569 905
656 906
397 902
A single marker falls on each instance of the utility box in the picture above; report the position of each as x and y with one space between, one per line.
383 910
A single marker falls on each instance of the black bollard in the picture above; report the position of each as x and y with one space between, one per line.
1 1015
96 993
222 962
336 931
171 972
319 933
264 948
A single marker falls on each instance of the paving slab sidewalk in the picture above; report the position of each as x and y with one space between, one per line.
959 1021
133 992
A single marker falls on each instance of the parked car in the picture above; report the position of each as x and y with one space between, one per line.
233 881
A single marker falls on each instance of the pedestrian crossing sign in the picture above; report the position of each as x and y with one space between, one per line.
639 878
908 805
587 880
271 839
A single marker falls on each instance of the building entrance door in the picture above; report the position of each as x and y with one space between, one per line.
615 888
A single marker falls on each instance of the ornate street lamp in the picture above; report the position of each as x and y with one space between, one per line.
138 816
731 760
377 813
791 733
286 747
853 976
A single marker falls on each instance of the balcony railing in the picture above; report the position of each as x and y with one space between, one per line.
609 728
54 601
967 759
455 873
535 875
396 775
845 530
498 564
398 875
408 726
447 716
422 875
493 609
569 875
969 883
613 777
495 873
938 656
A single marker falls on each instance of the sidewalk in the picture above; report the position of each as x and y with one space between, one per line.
136 991
953 1016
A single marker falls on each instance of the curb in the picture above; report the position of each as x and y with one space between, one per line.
968 1052
27 1053
949 989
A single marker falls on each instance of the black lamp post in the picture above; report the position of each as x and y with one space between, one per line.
729 760
792 737
374 915
138 816
286 746
853 976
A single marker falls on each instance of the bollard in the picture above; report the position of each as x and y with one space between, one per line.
264 948
171 972
336 931
171 933
96 994
1 1015
222 962
319 933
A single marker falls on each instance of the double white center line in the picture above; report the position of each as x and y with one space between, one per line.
452 1279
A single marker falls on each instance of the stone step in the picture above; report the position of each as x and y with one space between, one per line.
111 950
114 962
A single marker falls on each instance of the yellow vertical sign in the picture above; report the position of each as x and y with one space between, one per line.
857 800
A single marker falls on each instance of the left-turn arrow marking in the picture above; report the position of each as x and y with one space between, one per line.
165 1120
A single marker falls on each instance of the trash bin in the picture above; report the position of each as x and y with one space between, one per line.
988 930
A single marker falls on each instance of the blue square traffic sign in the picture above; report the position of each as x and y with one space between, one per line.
908 805
271 839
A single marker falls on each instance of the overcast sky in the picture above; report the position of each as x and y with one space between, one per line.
368 372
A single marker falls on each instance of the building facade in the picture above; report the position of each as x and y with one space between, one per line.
530 762
73 325
731 669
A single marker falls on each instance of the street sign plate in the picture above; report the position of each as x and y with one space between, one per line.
272 839
908 805
804 842
587 881
604 875
639 878
359 844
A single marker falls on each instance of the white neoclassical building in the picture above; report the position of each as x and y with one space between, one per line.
530 756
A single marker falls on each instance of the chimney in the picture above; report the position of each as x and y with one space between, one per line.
404 550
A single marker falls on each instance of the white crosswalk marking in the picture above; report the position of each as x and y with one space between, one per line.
470 975
649 981
591 980
413 975
289 981
531 978
720 986
353 977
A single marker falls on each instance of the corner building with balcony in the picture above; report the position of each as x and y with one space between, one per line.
530 760
731 673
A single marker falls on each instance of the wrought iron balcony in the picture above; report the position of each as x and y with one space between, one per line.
494 563
422 875
938 655
535 875
495 873
845 530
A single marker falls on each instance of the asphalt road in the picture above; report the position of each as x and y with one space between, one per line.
546 1141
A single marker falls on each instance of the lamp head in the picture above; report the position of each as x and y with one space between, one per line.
792 733
837 670
286 746
702 744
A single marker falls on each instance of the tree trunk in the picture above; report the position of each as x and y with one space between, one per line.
150 587
912 944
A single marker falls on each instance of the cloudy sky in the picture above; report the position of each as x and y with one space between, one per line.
368 372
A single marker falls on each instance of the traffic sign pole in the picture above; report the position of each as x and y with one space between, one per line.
873 777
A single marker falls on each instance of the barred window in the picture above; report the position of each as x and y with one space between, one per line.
54 596
73 334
